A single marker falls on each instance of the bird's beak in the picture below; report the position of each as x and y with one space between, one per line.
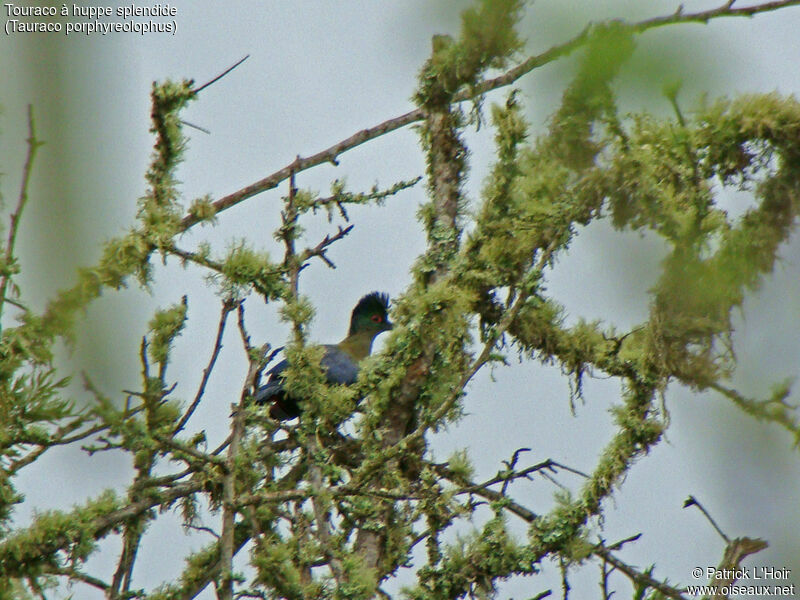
388 325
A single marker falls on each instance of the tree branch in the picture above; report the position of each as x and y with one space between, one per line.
301 164
16 216
331 153
227 538
227 307
637 576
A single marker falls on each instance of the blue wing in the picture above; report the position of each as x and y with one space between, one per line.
338 366
339 369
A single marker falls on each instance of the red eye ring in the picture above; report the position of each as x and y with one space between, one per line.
376 318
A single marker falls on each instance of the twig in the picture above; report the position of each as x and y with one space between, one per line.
289 216
221 447
671 92
618 545
193 587
189 256
35 587
99 526
760 409
508 476
203 529
227 539
133 530
227 306
225 590
320 249
265 497
242 329
131 538
168 480
221 75
214 265
58 438
637 576
692 501
511 465
193 452
484 492
605 572
22 200
145 364
16 303
77 575
193 126
322 517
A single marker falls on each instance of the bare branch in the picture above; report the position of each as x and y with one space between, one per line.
22 200
692 501
227 307
301 164
221 75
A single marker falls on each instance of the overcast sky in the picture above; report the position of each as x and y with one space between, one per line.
319 71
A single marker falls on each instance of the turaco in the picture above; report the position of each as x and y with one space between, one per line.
340 361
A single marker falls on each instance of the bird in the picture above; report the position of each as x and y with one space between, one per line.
339 361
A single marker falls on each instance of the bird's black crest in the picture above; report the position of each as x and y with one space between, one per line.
370 314
373 303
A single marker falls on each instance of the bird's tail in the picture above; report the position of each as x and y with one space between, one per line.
283 407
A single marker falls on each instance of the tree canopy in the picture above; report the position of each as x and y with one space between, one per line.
333 504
